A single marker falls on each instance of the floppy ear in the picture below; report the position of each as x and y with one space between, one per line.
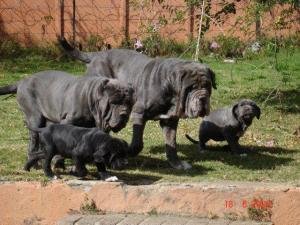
101 103
184 84
257 109
213 78
235 111
102 86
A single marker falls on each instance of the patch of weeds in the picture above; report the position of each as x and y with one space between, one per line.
212 216
35 220
260 210
9 48
231 216
89 207
153 212
44 181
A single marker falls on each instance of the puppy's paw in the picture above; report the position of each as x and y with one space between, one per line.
106 177
112 179
55 177
26 168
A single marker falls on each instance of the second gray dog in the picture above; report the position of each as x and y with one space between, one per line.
227 124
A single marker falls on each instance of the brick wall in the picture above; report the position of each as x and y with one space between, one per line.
33 22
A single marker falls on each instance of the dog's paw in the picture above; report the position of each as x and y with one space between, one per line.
106 177
111 179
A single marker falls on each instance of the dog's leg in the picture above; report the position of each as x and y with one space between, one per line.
49 153
169 128
34 120
137 144
202 141
103 174
30 162
233 142
80 168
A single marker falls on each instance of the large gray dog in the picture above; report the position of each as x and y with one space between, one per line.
56 97
165 90
227 124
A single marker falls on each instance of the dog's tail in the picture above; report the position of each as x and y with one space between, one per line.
10 89
191 139
85 57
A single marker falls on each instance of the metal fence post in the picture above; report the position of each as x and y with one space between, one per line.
191 21
74 21
62 17
125 19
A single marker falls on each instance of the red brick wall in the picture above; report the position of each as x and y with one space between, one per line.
32 22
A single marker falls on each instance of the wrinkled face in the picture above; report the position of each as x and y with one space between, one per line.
246 110
117 108
120 107
197 101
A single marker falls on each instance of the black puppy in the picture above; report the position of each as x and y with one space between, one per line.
227 124
83 145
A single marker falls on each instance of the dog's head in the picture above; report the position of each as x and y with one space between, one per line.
244 111
113 105
113 153
197 81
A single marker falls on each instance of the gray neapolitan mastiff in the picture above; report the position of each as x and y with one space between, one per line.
228 124
57 97
164 89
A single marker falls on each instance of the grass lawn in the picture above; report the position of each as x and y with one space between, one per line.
274 140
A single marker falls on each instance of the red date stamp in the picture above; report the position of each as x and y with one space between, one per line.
254 203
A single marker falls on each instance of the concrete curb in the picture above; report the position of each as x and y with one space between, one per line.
22 201
136 219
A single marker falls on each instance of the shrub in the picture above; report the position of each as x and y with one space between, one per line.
10 48
231 47
96 42
152 44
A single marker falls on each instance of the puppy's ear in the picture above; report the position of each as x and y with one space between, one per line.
213 78
235 111
256 109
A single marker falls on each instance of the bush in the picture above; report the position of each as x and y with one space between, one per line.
231 47
152 44
10 48
48 51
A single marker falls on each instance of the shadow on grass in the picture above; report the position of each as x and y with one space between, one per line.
136 179
258 157
283 100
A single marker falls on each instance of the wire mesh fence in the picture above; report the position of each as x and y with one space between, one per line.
33 22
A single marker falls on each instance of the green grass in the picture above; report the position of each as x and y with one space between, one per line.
275 148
